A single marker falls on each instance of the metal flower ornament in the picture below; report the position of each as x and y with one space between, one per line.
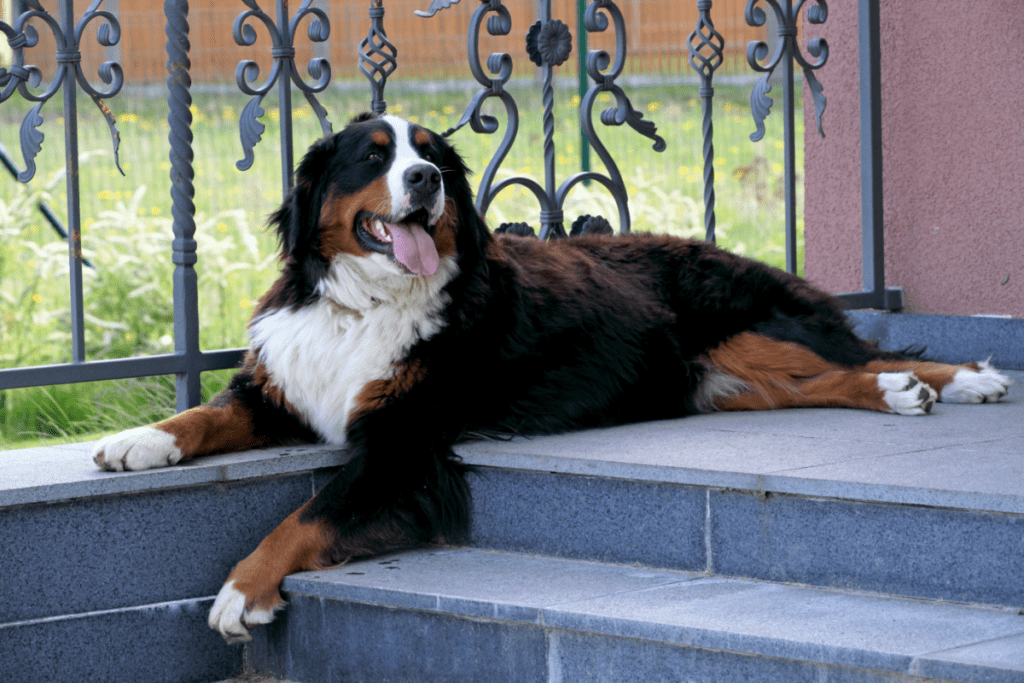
549 44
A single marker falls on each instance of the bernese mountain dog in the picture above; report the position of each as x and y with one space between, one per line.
400 324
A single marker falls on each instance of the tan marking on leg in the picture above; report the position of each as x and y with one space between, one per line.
787 375
935 375
212 429
293 546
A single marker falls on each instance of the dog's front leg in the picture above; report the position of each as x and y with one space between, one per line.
408 500
222 425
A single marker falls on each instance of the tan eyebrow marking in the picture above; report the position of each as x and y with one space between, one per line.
421 137
381 138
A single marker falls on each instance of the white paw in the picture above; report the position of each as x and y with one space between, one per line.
987 385
905 394
230 617
141 448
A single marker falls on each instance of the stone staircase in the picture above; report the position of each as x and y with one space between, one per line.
803 545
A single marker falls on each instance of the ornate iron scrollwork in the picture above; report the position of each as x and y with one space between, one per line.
705 39
548 45
377 57
282 35
786 50
22 77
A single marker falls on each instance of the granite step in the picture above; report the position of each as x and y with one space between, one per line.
465 614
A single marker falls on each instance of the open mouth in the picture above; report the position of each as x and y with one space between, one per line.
407 240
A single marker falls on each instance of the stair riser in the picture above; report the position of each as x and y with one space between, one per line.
332 640
914 551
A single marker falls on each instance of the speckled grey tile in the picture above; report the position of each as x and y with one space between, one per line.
788 622
168 643
476 583
905 550
117 551
50 474
609 520
321 640
590 658
992 661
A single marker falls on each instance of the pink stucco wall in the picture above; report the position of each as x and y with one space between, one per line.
953 154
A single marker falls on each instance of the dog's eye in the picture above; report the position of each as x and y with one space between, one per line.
374 156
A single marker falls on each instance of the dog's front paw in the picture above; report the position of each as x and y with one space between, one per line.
234 613
141 448
986 385
905 394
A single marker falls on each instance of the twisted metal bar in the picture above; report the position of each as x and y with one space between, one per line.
179 116
377 57
705 37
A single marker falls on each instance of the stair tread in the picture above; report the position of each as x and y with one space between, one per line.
960 456
767 619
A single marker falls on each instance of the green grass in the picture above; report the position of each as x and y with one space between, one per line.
127 227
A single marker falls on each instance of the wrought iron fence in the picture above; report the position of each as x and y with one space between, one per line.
548 43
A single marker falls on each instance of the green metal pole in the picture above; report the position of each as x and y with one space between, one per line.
581 32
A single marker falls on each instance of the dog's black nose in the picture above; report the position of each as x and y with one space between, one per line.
422 180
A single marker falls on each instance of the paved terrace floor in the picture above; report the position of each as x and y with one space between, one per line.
960 456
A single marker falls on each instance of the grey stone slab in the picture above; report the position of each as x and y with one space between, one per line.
163 643
905 550
141 548
985 476
788 622
994 661
591 658
591 518
948 338
40 475
321 640
475 583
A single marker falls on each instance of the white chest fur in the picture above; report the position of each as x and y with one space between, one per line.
323 355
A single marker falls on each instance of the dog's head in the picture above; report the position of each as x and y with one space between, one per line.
382 189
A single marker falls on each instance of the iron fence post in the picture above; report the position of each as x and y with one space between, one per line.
186 287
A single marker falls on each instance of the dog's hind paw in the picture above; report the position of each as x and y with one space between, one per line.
905 394
141 448
233 613
986 385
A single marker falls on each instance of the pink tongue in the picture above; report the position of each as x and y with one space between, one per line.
414 248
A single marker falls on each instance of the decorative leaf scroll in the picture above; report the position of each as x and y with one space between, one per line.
251 131
435 7
283 52
27 78
786 48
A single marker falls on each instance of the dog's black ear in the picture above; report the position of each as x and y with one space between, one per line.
298 219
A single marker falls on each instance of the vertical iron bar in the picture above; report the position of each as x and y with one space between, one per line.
789 136
186 288
550 221
872 217
581 33
284 55
67 57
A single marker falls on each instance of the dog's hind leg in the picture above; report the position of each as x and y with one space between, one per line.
967 383
766 374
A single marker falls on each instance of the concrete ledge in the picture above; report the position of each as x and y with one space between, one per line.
58 473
